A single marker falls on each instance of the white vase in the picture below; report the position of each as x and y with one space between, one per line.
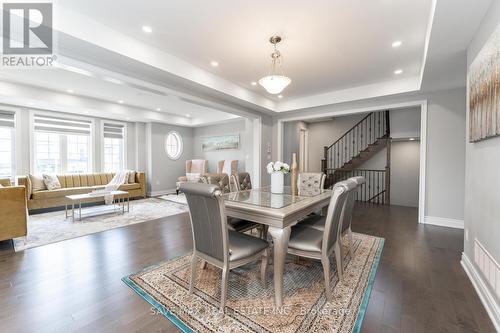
277 182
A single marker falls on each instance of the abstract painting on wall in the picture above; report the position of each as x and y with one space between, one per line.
223 142
484 91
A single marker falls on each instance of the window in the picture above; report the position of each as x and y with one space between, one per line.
173 145
62 145
114 147
7 145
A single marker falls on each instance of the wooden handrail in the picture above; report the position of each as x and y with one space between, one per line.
347 132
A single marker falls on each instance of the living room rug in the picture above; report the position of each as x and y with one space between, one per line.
250 305
54 227
177 198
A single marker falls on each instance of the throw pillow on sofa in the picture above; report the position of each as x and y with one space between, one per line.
131 177
37 183
52 182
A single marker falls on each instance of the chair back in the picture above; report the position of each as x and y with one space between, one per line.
310 183
208 219
219 179
197 166
227 166
332 222
241 181
348 208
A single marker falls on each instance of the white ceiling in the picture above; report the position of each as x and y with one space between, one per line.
334 51
328 44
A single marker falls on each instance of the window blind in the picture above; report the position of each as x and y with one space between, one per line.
113 131
6 119
62 125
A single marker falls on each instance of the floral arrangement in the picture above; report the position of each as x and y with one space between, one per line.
277 167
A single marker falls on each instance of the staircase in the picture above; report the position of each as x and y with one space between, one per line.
360 143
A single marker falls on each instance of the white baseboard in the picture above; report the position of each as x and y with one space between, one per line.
163 192
444 222
487 298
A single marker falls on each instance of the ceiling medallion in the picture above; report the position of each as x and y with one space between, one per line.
276 81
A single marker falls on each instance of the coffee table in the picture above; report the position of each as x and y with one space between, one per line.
78 199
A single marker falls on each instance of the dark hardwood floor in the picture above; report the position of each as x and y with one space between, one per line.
75 285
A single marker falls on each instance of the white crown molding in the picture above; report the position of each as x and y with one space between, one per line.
351 94
487 298
444 222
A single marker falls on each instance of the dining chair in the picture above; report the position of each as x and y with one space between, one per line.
222 181
347 216
318 222
241 181
213 242
319 245
310 183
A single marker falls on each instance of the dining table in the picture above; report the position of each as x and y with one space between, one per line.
278 211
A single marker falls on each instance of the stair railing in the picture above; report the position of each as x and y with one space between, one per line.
373 190
367 131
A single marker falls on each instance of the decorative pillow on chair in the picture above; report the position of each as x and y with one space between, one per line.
193 177
52 182
37 183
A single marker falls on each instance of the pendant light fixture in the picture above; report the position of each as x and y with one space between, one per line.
276 81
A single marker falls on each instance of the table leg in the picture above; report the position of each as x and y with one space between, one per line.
66 210
128 204
280 240
80 211
73 211
123 205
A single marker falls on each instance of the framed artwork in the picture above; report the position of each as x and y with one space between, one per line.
484 91
223 142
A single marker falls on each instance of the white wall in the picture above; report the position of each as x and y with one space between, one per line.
243 127
482 189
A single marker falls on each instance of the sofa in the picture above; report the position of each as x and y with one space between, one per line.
13 211
79 184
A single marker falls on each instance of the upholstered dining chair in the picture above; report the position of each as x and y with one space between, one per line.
349 209
317 244
310 183
241 181
213 242
194 170
346 217
221 180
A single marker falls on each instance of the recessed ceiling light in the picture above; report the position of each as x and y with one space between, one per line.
70 91
128 118
120 101
398 71
280 96
158 109
188 116
147 29
214 63
87 112
411 139
254 83
397 43
31 103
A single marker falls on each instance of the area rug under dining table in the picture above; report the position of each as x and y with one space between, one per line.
250 304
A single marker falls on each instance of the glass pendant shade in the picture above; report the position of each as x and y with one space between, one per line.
274 84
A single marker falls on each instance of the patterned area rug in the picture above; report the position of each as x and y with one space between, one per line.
55 227
250 305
